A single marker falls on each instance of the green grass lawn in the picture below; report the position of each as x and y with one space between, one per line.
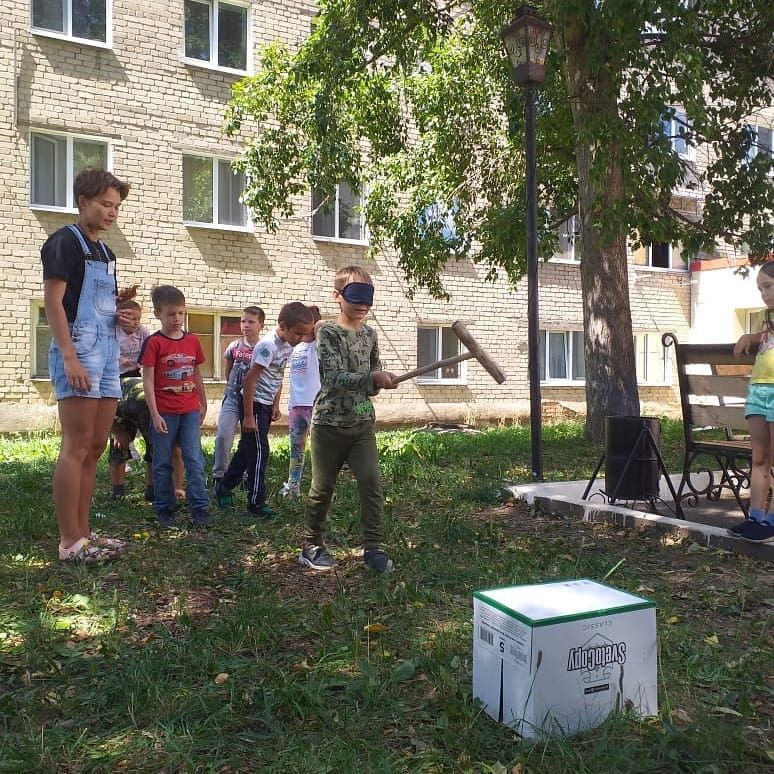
214 652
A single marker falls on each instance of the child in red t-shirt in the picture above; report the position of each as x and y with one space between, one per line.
174 392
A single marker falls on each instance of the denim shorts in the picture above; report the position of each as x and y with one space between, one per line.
760 401
97 349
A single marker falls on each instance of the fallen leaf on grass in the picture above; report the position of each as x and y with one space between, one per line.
680 714
712 640
302 666
673 619
221 678
727 711
375 628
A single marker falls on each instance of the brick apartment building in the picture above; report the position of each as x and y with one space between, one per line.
141 87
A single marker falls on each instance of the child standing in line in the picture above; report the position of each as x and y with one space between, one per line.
759 410
79 295
261 390
174 391
237 356
343 421
304 386
131 334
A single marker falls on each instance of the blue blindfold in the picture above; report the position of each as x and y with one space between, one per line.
358 293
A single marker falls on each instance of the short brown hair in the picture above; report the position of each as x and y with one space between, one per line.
256 311
351 274
92 181
295 313
166 295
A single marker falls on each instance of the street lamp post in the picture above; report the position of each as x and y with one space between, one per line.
526 43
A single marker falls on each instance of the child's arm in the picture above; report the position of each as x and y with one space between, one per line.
248 395
746 340
199 382
382 379
150 398
275 409
53 295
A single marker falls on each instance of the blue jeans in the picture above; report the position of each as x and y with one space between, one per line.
183 429
228 421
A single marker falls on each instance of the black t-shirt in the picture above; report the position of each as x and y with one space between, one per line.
62 257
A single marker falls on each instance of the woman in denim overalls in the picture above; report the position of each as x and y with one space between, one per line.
83 359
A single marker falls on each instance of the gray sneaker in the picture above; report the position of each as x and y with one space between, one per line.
316 557
378 561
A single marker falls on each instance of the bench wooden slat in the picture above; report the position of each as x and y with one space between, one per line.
691 354
717 416
720 386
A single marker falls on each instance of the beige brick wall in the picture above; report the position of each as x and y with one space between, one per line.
153 108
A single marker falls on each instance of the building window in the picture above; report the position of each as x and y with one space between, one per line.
216 34
437 343
41 340
677 127
568 240
55 160
652 359
82 20
560 357
437 221
756 320
215 331
211 191
761 142
660 255
338 217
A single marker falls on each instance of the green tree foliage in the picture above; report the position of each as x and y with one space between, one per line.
414 98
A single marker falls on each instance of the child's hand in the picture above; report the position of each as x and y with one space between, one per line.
77 375
159 424
383 380
742 347
275 414
248 424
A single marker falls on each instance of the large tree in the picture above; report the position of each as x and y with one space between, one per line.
414 99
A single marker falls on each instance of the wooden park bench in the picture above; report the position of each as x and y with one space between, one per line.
713 388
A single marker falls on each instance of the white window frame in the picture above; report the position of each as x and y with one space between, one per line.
217 315
571 356
212 63
664 379
649 255
572 230
754 319
71 205
462 366
248 227
755 149
68 25
37 308
676 122
336 238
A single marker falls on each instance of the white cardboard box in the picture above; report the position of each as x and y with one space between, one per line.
557 658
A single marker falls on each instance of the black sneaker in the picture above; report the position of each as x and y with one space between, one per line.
223 497
166 519
375 559
758 533
149 494
740 528
264 513
317 557
201 517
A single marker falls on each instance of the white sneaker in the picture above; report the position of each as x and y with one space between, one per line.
289 490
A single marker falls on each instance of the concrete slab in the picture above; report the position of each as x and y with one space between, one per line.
705 523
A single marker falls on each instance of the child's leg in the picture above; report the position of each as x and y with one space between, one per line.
257 457
760 473
85 424
299 418
163 490
364 460
189 439
228 422
330 447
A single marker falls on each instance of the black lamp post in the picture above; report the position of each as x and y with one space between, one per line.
526 43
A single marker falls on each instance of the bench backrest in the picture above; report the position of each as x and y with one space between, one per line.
713 386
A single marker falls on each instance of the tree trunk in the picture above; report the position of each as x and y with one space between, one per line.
611 382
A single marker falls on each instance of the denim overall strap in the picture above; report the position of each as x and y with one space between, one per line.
97 302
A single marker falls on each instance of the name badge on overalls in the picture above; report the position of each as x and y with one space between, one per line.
111 267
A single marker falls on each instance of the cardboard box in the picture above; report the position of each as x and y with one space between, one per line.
557 658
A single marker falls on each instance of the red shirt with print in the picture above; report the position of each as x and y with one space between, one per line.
174 362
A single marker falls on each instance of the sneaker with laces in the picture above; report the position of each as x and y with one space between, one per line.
758 533
316 557
377 560
223 497
201 517
290 491
166 519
